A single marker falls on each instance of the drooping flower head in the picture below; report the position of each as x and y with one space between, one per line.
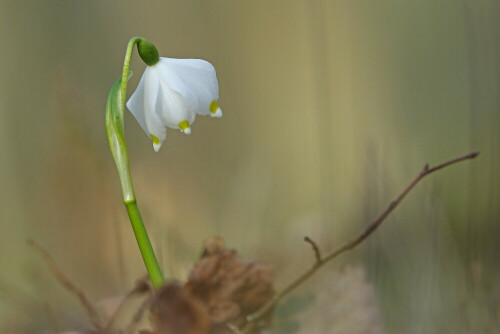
171 93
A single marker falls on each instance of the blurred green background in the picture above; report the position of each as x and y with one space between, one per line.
330 108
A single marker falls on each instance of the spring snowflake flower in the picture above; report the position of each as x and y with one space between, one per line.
171 93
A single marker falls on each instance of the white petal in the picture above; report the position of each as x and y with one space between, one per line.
136 105
154 124
142 105
194 79
172 107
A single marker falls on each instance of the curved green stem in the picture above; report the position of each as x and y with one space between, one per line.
114 130
126 66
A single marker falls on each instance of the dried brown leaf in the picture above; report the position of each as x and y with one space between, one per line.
175 310
230 287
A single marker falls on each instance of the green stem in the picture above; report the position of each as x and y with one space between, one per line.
148 255
126 67
114 129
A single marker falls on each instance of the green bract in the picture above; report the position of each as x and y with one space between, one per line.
114 131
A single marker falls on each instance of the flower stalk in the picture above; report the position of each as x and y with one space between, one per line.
114 130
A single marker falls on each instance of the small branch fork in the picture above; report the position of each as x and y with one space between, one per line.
317 252
254 318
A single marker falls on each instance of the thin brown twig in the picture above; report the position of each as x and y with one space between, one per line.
317 252
87 305
269 306
140 288
138 315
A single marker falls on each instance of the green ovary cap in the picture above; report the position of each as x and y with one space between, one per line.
148 52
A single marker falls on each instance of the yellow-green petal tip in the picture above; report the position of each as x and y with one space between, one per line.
156 141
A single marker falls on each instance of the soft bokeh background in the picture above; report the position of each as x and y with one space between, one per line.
330 108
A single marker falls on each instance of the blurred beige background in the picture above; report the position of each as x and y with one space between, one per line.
330 108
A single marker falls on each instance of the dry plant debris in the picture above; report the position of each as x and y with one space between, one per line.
230 287
175 310
222 290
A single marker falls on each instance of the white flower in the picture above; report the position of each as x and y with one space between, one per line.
171 93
